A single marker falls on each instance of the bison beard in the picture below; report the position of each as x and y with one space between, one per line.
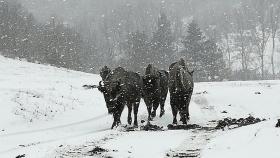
181 89
122 88
155 89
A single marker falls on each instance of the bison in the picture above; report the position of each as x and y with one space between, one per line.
155 89
122 88
181 88
104 72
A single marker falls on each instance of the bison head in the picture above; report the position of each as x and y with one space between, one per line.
111 93
104 72
151 83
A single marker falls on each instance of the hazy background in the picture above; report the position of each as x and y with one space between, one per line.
220 40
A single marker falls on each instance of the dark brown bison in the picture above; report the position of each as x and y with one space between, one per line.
122 88
155 89
181 88
104 72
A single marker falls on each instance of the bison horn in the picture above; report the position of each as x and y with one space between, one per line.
100 84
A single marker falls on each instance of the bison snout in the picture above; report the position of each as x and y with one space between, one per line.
111 110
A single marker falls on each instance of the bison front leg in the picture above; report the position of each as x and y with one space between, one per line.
155 107
149 109
174 109
117 120
117 115
129 118
135 110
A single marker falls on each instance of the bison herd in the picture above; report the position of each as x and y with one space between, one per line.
126 88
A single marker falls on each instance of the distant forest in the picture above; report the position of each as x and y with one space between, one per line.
220 40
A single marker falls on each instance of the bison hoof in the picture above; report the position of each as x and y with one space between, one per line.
175 122
135 125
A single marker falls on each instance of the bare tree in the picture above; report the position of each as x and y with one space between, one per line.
261 32
274 25
242 25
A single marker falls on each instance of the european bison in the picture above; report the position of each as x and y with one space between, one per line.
181 88
155 89
104 72
123 88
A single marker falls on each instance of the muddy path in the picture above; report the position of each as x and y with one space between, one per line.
193 144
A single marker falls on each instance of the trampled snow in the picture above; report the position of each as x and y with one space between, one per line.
45 112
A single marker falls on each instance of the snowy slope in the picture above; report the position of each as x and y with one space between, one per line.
40 104
46 113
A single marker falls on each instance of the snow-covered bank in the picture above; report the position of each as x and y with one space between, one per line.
257 141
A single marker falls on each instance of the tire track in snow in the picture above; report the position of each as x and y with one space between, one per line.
53 140
198 138
42 132
54 128
192 146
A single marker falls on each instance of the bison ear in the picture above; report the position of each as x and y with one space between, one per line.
101 87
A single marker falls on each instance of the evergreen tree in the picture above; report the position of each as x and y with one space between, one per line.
161 42
137 48
61 45
212 61
23 37
203 55
193 45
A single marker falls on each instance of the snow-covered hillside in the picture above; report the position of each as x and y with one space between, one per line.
46 113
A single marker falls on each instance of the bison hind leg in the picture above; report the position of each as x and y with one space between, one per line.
154 113
162 111
129 118
162 102
174 112
155 106
184 118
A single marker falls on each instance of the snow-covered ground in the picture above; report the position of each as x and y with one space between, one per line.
45 113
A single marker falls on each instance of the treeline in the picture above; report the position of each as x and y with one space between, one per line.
248 34
237 42
52 43
220 40
201 52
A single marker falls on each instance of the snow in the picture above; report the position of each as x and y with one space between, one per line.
45 113
261 140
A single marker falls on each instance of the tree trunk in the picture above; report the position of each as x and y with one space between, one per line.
228 51
272 57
